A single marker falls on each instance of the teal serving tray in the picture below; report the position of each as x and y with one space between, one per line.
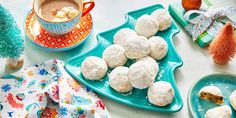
197 106
137 98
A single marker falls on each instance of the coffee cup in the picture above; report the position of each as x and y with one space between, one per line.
63 27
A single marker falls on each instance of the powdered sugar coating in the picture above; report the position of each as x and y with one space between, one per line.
114 55
146 26
159 47
211 89
152 62
118 79
160 93
141 75
219 112
122 35
232 99
93 68
137 47
162 18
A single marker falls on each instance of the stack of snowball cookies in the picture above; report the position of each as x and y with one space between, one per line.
142 46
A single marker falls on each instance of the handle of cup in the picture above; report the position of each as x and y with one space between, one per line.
87 7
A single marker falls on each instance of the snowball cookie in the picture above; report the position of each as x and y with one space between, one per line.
114 55
141 75
118 79
93 68
219 112
232 99
160 93
162 18
122 35
152 62
146 26
159 47
211 93
137 47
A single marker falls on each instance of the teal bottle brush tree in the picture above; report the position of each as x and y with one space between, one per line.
11 40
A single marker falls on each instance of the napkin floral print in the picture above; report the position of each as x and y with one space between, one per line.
46 90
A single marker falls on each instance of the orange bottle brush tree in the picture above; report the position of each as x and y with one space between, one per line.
223 46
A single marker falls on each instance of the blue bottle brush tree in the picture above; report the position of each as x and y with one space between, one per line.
11 40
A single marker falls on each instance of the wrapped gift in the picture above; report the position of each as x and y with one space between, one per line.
202 24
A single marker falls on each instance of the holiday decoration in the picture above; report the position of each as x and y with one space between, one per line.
191 4
210 21
11 41
223 47
202 25
15 63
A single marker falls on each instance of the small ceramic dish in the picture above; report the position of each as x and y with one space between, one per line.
225 82
136 98
41 38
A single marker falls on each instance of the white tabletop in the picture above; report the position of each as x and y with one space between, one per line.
108 14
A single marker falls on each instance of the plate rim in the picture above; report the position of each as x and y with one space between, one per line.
192 113
54 49
177 65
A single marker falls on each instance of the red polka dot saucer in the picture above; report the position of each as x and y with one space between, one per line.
41 38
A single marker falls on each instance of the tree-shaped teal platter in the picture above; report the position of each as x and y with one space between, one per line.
136 98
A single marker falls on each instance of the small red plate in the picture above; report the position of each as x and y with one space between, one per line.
43 39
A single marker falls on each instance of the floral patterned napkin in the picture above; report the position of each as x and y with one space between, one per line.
46 90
